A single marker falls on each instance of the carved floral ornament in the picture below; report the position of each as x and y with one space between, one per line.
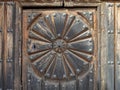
61 46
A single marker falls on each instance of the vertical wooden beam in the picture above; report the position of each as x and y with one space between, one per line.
117 42
1 44
4 49
107 46
17 46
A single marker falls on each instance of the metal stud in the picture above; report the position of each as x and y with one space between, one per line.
47 74
81 80
84 13
118 5
71 16
71 74
77 20
84 26
31 57
54 76
85 63
58 35
38 80
64 76
54 14
90 49
90 13
63 86
112 62
55 86
64 14
52 38
90 19
112 31
41 70
90 80
78 70
109 62
91 71
110 5
47 16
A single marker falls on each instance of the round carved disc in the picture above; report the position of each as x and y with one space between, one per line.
60 46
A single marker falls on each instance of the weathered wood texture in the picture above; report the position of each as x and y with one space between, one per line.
8 52
117 49
1 43
107 46
35 25
107 57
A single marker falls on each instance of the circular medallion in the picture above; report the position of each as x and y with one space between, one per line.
60 46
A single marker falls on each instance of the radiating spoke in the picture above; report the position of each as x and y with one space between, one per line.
64 29
65 65
40 57
45 30
41 36
51 66
37 38
69 27
39 51
79 56
76 37
70 65
55 31
52 59
80 39
76 50
48 24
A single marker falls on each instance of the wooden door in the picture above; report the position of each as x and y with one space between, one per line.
59 49
73 46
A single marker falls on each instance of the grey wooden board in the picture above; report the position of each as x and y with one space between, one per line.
87 83
110 46
107 47
33 82
70 85
110 77
1 29
117 61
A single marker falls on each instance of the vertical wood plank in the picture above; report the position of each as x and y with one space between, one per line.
1 35
107 47
10 30
4 49
117 42
69 85
17 46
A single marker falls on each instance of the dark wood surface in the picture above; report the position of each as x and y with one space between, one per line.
18 73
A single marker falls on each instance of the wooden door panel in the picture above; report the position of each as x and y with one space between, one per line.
59 49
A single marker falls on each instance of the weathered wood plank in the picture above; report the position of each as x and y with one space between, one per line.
73 3
117 43
87 83
10 29
17 46
1 35
69 85
107 47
